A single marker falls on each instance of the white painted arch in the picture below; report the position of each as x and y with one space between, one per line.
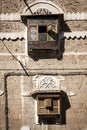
42 4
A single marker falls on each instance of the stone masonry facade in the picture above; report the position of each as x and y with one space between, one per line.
17 68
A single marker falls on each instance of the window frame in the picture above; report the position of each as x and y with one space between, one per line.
37 35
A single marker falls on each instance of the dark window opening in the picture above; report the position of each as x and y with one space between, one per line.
42 29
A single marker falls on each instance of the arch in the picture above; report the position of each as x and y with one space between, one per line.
43 5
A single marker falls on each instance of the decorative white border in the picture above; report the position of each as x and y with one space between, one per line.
73 35
10 17
75 16
76 34
42 4
23 35
67 16
12 36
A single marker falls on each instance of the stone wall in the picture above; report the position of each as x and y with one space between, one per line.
11 6
14 59
21 110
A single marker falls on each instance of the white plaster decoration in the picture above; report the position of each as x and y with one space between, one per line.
25 94
42 4
75 53
42 11
1 92
47 83
52 9
36 115
25 128
12 17
72 35
75 16
12 36
71 94
26 40
21 35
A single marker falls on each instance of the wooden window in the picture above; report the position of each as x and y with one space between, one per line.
42 32
48 106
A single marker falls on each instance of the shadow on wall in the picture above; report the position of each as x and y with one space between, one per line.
65 105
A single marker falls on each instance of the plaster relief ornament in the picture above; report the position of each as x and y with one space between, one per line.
42 11
50 83
47 82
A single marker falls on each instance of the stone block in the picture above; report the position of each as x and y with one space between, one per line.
10 6
76 45
75 26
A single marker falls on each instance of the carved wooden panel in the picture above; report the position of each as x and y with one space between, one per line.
48 105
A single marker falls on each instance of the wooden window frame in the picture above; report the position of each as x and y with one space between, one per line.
37 36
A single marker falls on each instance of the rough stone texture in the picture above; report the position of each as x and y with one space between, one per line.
76 45
75 26
10 6
12 46
6 26
72 5
68 61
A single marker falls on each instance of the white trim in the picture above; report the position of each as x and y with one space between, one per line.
36 116
1 92
76 16
26 41
67 16
12 16
74 34
12 35
23 35
42 4
75 53
15 54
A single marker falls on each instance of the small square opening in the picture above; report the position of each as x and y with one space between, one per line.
42 29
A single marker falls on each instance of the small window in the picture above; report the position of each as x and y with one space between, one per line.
48 106
43 33
42 29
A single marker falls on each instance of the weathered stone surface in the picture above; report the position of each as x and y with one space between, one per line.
11 26
14 58
12 46
75 26
76 45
